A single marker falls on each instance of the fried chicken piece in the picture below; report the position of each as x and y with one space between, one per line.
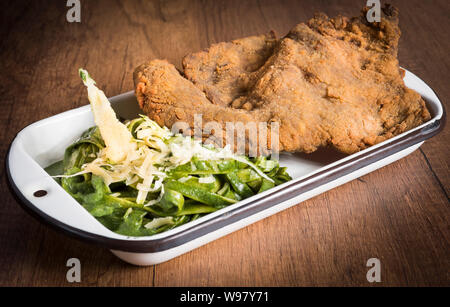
225 70
331 81
167 98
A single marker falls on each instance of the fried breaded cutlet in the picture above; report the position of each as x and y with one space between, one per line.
329 82
226 71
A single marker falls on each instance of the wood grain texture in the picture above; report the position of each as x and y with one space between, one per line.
399 214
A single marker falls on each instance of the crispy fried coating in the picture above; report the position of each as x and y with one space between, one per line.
167 97
329 82
225 71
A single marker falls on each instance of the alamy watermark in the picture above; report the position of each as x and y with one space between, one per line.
250 138
374 13
74 273
74 13
374 274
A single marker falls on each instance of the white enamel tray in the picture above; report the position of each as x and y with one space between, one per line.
43 143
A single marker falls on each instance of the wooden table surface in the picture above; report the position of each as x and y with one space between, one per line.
399 214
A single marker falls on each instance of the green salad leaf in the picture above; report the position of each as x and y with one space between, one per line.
187 192
139 179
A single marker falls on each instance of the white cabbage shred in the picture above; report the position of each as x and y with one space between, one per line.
158 222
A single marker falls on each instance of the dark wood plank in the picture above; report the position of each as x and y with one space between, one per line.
327 240
398 214
423 50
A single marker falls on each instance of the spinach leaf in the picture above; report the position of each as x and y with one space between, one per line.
191 190
84 150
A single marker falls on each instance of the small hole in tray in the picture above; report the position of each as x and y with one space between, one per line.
40 193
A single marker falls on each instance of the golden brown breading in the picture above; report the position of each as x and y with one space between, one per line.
331 81
167 97
224 70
